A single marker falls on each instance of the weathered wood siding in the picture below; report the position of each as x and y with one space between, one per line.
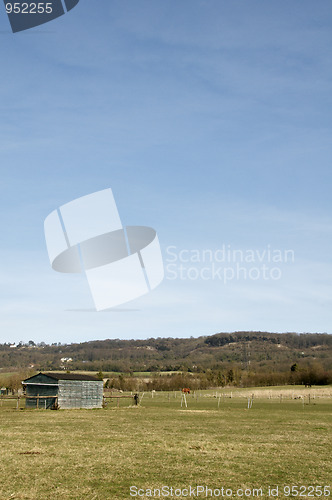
80 394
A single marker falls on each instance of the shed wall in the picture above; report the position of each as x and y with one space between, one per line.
41 390
80 394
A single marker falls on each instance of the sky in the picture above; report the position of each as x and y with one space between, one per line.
211 122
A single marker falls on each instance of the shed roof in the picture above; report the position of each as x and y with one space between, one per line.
71 376
65 376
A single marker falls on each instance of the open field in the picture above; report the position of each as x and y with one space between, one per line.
99 454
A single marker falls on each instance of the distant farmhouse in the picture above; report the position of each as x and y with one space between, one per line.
63 390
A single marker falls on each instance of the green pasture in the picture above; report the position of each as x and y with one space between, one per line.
216 441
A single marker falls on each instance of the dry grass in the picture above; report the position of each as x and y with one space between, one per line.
99 454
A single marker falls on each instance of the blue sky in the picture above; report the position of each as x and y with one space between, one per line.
210 121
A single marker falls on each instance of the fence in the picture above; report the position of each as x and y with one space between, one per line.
134 397
213 399
37 398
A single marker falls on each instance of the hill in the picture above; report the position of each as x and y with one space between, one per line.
235 356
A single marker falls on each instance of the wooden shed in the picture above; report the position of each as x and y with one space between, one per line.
63 390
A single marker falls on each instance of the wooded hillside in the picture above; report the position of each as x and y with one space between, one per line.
237 356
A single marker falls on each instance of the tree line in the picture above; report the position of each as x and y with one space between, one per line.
241 358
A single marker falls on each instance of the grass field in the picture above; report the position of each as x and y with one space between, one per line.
99 454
